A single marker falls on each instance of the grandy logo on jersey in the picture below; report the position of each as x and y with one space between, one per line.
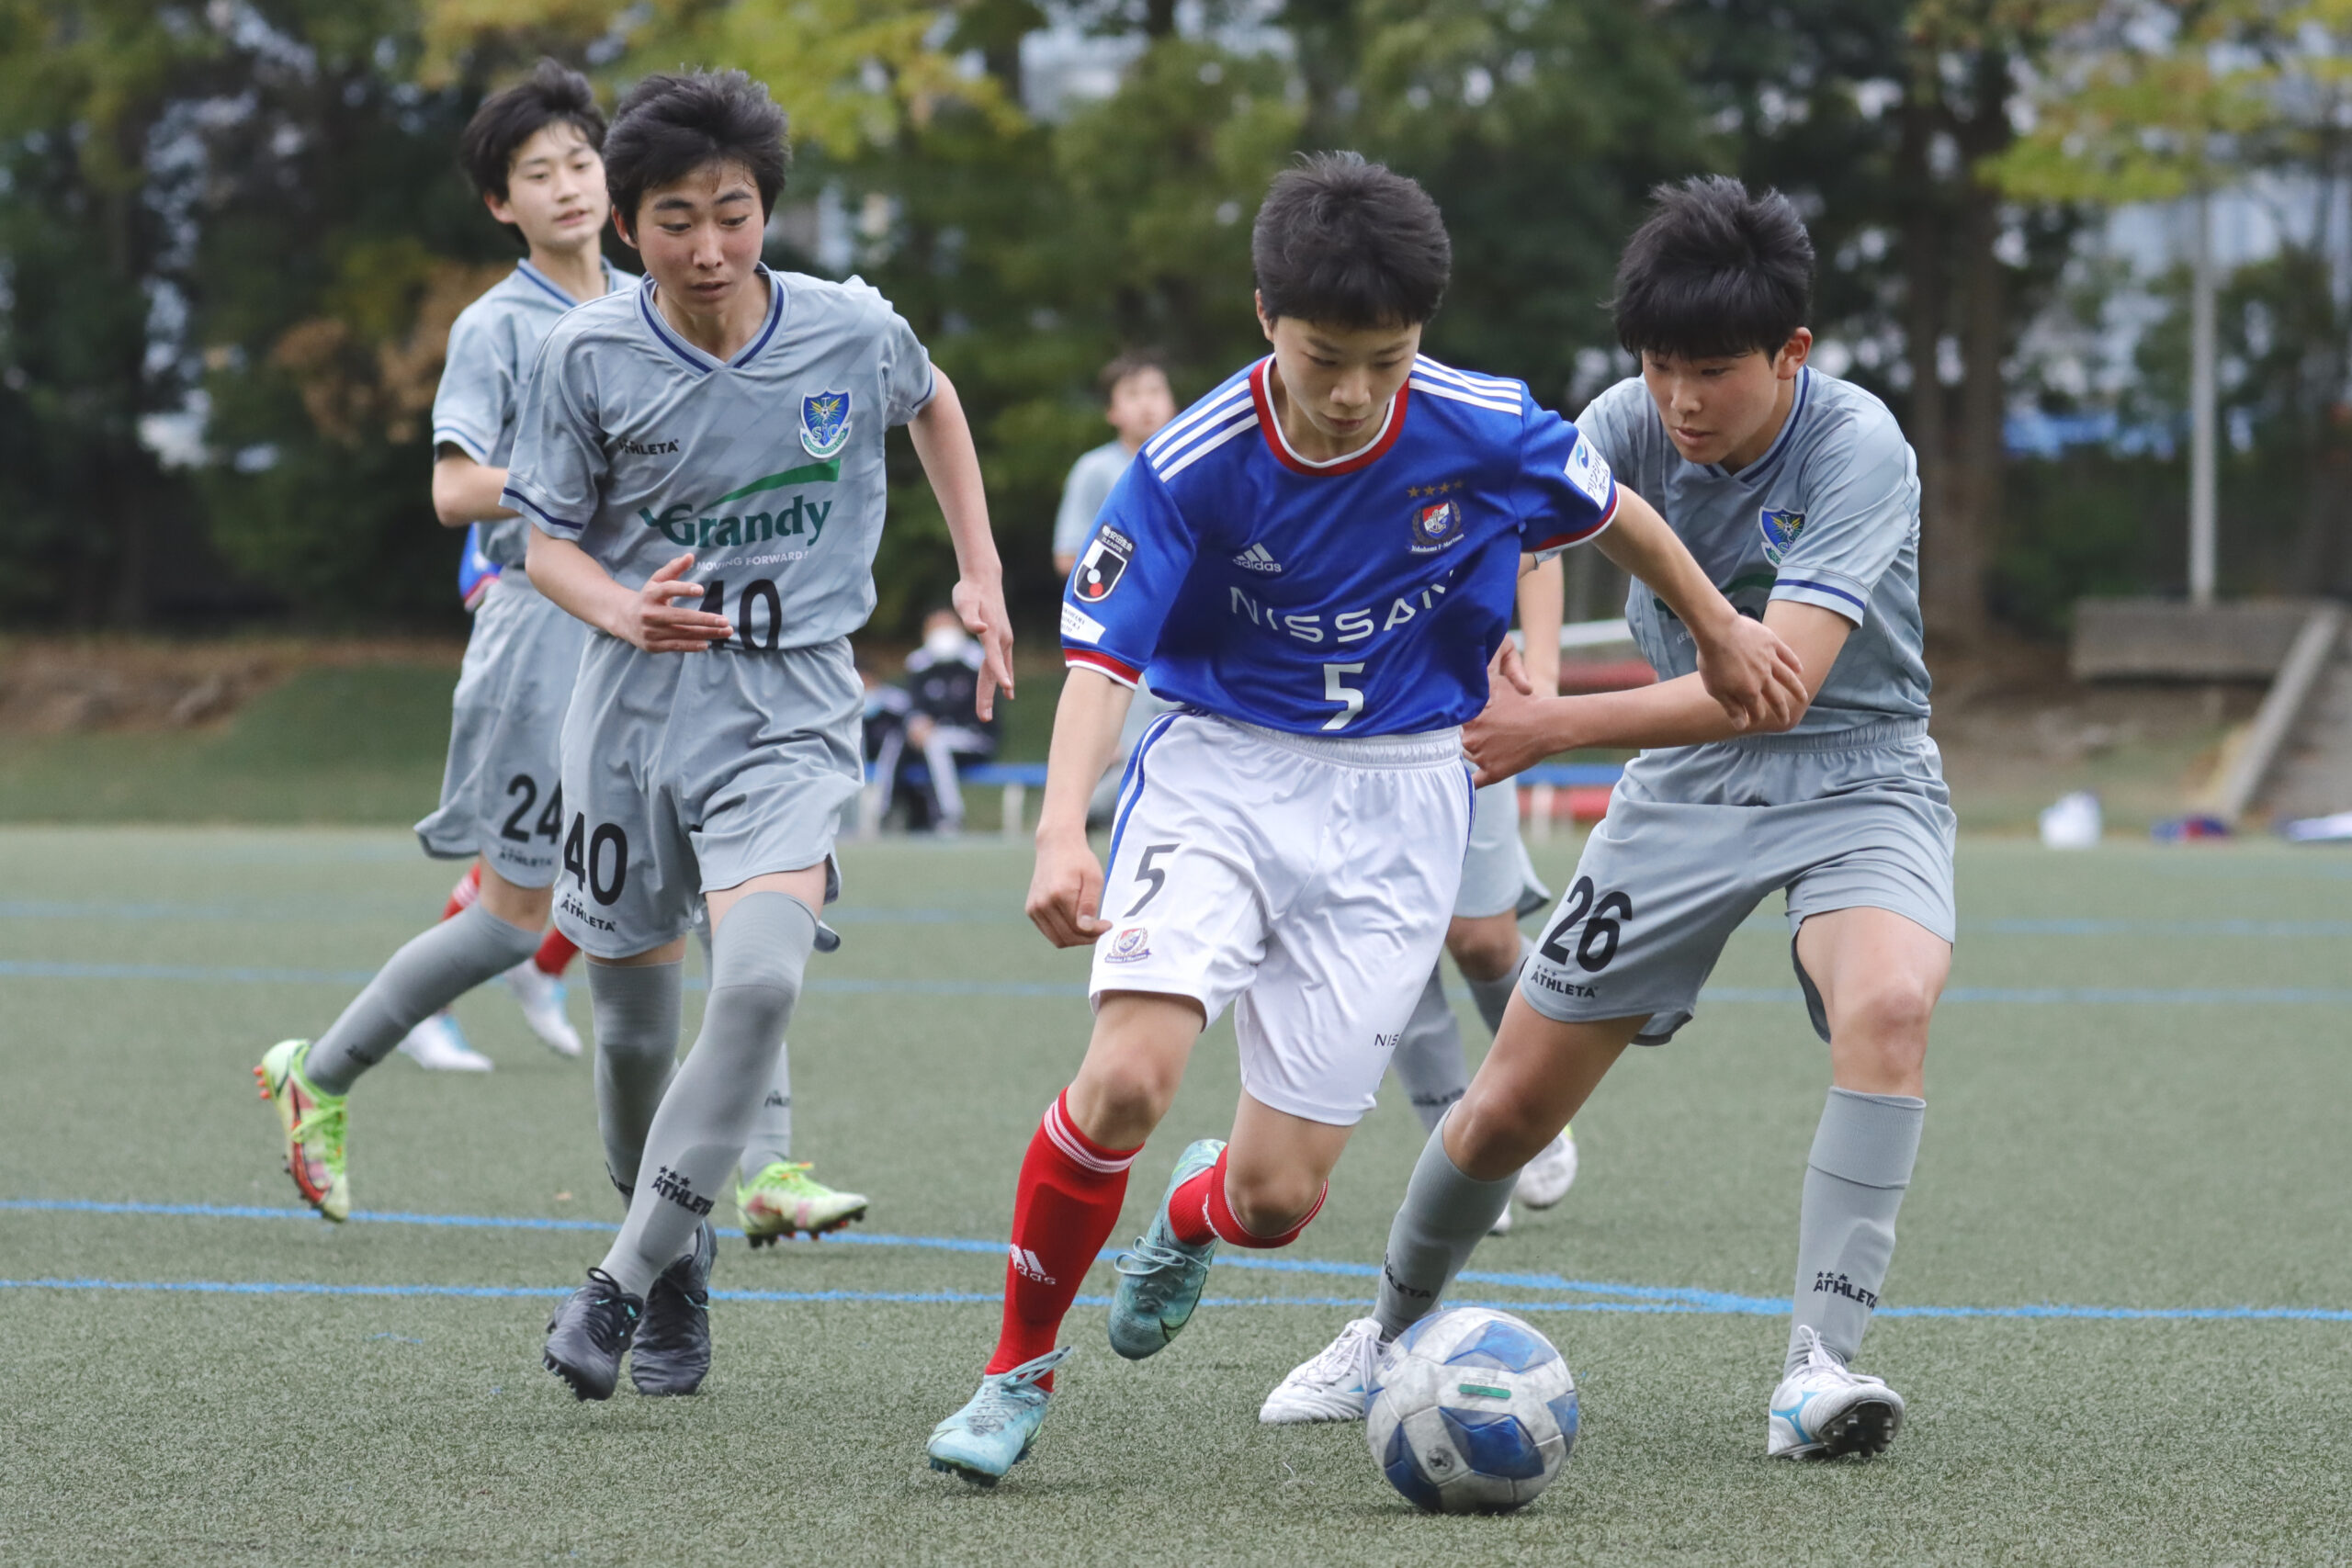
824 423
1781 531
1104 563
688 524
1435 527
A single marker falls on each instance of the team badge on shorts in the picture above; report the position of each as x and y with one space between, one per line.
824 423
1129 945
1781 531
1104 564
1434 527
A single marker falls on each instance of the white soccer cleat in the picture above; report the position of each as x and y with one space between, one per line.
541 995
1502 1223
1545 1179
1825 1409
1335 1385
438 1046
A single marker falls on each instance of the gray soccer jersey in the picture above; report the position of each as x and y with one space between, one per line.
637 445
1083 493
492 345
1828 516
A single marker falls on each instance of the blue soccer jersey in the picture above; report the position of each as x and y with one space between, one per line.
1363 595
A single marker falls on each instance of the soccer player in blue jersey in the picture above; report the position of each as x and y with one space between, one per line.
1315 562
1799 494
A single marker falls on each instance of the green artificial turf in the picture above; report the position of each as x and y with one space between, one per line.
2138 1096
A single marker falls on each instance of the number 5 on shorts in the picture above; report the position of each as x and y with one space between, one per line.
1351 701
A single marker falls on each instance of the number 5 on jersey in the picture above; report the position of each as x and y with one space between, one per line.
1335 690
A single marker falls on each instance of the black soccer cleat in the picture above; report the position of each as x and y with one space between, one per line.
672 1351
588 1335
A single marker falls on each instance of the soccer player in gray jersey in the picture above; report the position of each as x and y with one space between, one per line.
701 460
1799 494
532 152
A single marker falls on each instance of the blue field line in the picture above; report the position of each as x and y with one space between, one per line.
2022 996
1671 1299
1351 1303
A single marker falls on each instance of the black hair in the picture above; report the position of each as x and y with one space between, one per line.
670 126
553 92
1135 362
1353 244
1716 271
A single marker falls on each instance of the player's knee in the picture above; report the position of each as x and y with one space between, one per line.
1129 1095
1488 1136
1889 1016
1486 950
1269 1202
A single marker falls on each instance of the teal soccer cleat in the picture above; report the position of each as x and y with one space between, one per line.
994 1431
1159 1276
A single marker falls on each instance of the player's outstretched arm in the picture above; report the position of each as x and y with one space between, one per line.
465 491
1518 730
943 442
650 618
1066 888
1743 665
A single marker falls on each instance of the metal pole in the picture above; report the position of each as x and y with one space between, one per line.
2200 405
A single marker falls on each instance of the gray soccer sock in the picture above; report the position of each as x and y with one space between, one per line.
432 970
1862 1155
758 956
1428 1059
1442 1219
1493 996
771 1130
637 1011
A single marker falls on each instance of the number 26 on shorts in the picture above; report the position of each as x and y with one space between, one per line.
1602 932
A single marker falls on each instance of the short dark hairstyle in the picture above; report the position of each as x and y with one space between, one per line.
1716 271
670 126
1353 244
552 92
1135 362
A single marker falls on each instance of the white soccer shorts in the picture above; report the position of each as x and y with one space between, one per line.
1306 881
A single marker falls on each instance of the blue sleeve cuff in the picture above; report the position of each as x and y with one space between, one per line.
1831 590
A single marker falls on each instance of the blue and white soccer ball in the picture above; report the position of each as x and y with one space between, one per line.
1472 1411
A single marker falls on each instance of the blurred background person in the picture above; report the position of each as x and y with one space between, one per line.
921 730
1137 402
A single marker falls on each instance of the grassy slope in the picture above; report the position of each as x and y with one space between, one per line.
2133 1155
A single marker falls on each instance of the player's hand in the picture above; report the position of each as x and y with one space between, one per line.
1066 890
980 605
1509 666
656 621
1513 732
1756 677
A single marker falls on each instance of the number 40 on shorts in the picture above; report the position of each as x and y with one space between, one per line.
597 861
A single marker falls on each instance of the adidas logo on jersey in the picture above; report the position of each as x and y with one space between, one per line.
1025 1264
1257 559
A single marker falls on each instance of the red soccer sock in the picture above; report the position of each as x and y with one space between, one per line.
1198 1211
1068 1199
555 955
463 896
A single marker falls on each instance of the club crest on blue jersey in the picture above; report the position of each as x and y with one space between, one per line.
1781 531
824 423
1104 563
1434 527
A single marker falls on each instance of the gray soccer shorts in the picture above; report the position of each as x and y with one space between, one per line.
1497 877
1695 837
685 772
499 792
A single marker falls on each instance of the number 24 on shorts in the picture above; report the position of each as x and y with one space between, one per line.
1601 933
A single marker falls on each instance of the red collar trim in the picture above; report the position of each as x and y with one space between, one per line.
1392 426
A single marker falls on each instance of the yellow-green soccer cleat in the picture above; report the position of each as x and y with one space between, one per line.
315 1122
783 1201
